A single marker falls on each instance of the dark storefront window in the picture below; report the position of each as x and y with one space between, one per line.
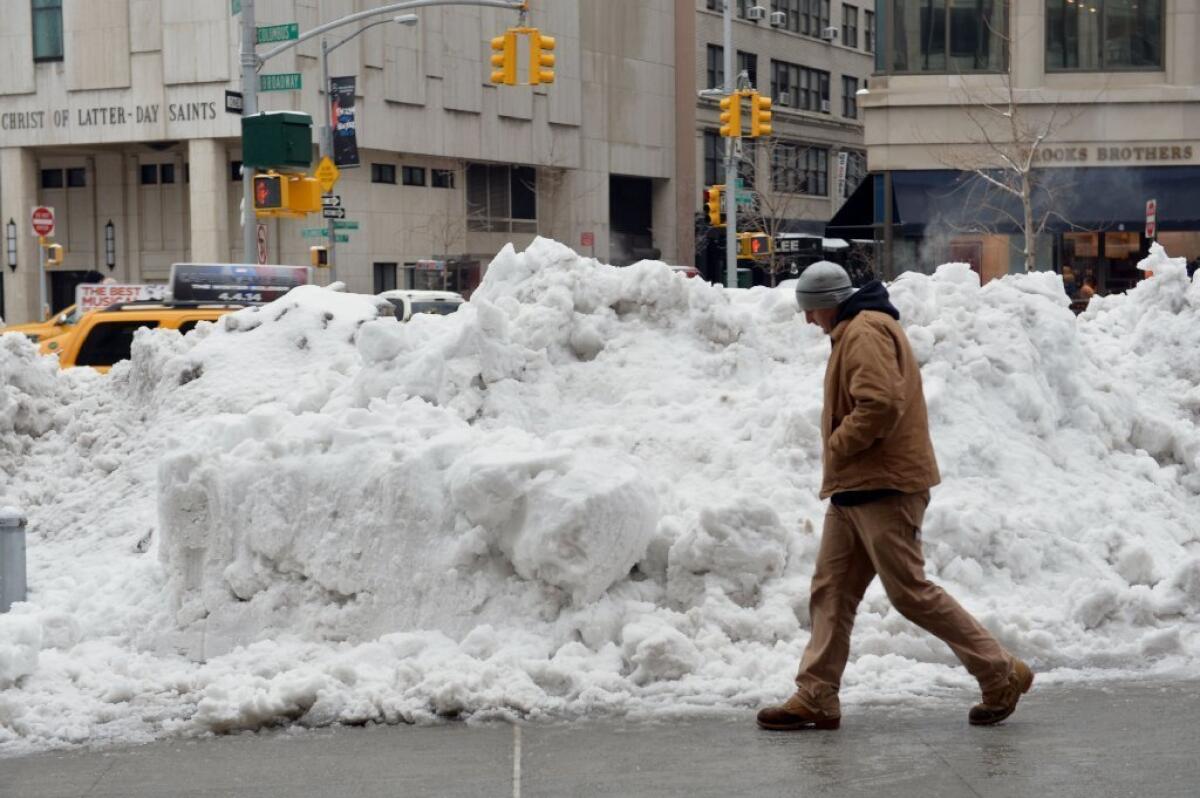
501 199
47 30
949 36
1100 35
385 277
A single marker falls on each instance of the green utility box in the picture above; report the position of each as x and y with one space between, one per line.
745 278
277 139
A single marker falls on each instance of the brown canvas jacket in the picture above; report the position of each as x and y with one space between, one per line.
874 425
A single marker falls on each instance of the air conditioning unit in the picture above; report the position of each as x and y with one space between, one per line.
783 101
756 13
829 34
824 106
778 19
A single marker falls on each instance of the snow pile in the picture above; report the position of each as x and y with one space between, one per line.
590 490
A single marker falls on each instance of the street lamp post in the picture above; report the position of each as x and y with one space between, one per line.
731 192
325 144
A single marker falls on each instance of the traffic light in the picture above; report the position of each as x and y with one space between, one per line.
504 59
319 256
731 116
754 245
303 195
270 192
54 255
760 115
541 59
713 200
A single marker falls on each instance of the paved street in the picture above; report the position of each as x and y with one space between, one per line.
1114 740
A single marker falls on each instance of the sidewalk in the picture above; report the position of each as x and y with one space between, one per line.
1099 741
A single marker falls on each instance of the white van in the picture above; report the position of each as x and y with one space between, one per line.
410 303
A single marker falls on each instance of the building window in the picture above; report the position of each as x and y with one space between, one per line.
791 8
748 63
501 199
77 177
869 31
166 173
47 30
949 36
814 90
385 277
800 169
714 152
1108 35
383 173
747 166
849 26
814 18
235 171
785 84
443 178
849 97
149 174
716 66
856 171
413 175
52 178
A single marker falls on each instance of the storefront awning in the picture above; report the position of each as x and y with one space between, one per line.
1090 198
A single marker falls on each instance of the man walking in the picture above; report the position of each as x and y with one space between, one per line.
878 468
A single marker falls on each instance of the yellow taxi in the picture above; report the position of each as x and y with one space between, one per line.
37 331
104 337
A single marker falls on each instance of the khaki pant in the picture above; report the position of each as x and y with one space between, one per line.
883 537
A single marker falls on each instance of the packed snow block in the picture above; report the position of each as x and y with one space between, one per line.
733 549
576 520
30 394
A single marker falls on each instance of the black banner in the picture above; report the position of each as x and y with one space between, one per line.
345 128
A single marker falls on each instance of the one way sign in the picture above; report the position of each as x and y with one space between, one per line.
331 200
333 213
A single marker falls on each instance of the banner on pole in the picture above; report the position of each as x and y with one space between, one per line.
343 122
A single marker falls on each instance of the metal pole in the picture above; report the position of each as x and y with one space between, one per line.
249 62
12 557
731 192
326 150
42 312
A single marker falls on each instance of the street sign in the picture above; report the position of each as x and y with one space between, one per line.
277 33
331 200
345 225
314 232
235 7
333 213
1151 218
43 221
341 238
587 239
327 174
282 81
234 103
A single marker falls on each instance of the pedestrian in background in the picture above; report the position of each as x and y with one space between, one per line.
878 468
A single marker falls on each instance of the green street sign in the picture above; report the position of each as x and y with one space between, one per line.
235 7
342 238
314 232
283 81
278 33
338 225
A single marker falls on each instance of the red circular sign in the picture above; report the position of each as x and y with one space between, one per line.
43 221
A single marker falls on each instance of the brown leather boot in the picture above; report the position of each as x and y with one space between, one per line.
795 715
998 704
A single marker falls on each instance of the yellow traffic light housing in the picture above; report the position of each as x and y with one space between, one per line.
760 115
303 195
541 59
319 256
754 246
286 195
54 254
713 202
504 58
731 115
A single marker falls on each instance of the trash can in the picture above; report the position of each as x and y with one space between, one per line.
745 278
12 557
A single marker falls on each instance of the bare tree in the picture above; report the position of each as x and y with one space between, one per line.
1009 134
772 209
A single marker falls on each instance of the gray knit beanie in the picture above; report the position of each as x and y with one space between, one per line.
823 285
